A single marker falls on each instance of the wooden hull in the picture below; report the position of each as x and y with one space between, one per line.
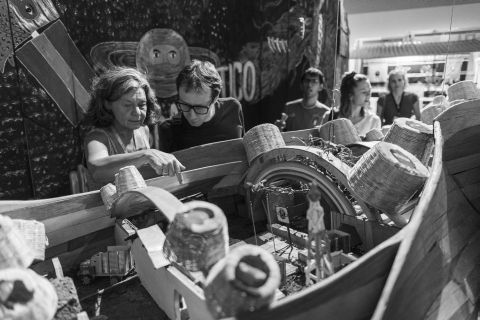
428 270
436 274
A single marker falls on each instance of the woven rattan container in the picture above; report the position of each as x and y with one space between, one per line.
14 250
387 176
108 193
33 232
433 109
245 280
260 139
128 178
374 135
412 135
339 131
30 296
463 90
197 237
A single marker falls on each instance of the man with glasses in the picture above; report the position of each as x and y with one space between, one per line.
203 117
306 112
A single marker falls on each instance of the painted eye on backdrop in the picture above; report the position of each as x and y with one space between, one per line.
173 57
156 53
26 8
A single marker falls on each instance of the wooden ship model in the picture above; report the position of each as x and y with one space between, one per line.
421 257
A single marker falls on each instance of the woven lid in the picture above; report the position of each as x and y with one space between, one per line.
374 135
339 131
412 135
261 139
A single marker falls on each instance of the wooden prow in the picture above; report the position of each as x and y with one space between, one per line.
436 274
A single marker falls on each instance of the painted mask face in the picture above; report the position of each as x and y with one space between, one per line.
130 110
161 55
200 98
361 94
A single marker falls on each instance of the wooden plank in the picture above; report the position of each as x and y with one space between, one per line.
212 154
357 286
60 236
463 164
442 226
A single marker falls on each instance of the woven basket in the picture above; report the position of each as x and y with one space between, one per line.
108 193
14 250
34 234
412 135
385 129
245 280
466 90
339 131
387 176
26 295
261 139
128 178
433 109
374 135
198 237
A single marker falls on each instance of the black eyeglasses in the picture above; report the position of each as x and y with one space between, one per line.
185 107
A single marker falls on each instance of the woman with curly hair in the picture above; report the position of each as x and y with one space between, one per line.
122 104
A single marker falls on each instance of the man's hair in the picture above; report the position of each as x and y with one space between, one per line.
200 75
314 72
111 86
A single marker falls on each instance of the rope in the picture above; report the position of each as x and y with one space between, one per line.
331 132
448 45
22 112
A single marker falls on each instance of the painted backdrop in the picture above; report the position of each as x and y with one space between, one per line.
51 49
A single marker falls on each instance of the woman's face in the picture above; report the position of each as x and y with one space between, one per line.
397 82
361 94
130 110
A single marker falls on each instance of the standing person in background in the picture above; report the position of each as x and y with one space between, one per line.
203 117
354 100
397 103
306 112
121 106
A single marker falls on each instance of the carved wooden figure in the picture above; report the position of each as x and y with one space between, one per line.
318 242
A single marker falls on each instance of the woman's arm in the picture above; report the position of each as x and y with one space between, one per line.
416 110
103 166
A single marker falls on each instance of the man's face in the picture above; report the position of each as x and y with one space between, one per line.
311 86
199 98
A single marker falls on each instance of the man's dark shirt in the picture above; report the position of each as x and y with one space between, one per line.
227 123
300 118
